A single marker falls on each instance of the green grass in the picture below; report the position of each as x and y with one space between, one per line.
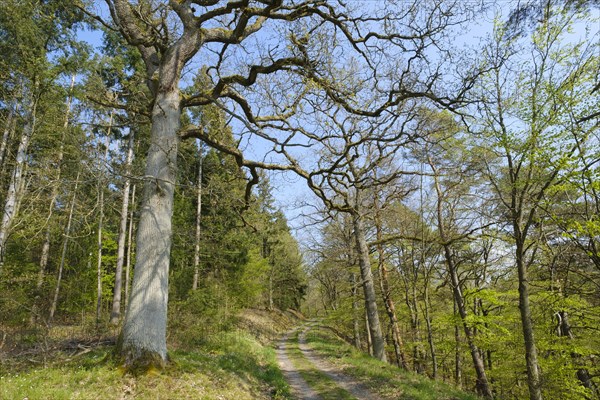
316 379
385 379
234 366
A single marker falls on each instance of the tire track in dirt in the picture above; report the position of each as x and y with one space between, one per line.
300 388
348 383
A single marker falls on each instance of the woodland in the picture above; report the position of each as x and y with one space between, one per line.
421 176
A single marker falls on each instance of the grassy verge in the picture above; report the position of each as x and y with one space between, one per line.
385 379
320 382
232 366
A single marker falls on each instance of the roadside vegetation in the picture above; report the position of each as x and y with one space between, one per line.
388 381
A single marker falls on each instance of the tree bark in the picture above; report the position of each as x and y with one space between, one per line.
142 342
369 287
143 339
198 221
115 314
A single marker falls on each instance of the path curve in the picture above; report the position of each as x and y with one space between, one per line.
350 384
300 388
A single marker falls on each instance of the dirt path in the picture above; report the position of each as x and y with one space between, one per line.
348 383
300 388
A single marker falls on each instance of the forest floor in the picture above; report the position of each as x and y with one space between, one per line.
259 359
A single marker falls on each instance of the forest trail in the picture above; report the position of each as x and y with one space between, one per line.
300 388
293 374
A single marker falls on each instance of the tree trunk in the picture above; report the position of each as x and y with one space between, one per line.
533 373
9 128
63 255
434 365
368 287
10 205
198 221
355 313
418 357
368 330
129 247
115 314
101 184
482 382
390 307
99 258
143 339
53 196
457 353
271 305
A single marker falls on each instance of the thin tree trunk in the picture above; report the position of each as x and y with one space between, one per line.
369 287
355 313
271 305
418 357
482 384
63 255
198 221
457 353
99 257
390 307
45 255
115 314
10 205
129 247
143 339
563 329
430 333
101 226
9 128
368 330
533 373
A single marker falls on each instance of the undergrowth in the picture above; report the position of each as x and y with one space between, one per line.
229 365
